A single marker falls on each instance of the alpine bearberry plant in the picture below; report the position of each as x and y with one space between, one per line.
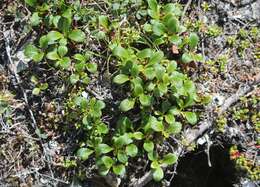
154 95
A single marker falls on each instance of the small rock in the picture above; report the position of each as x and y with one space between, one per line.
218 99
248 184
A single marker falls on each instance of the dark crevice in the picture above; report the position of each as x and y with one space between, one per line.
193 169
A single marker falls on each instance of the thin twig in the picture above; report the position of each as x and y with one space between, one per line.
12 68
52 178
185 10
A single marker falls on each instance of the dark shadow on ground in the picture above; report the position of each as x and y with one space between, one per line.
193 169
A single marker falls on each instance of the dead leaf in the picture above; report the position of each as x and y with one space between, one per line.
175 49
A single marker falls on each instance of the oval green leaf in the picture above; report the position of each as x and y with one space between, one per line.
148 146
120 79
84 153
119 169
131 150
158 174
77 35
127 104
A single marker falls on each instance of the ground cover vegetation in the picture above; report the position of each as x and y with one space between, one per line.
123 89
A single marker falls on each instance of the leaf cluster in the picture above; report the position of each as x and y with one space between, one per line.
157 94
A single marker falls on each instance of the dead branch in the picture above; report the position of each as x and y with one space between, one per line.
193 134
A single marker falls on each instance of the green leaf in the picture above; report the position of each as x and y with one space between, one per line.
84 153
189 87
85 121
166 79
62 51
171 23
138 135
43 41
157 125
53 55
191 117
38 57
119 169
63 41
172 8
147 27
131 150
67 13
107 161
123 125
162 88
169 118
175 39
174 128
120 79
33 52
120 52
103 149
145 100
77 35
198 58
186 58
145 53
54 35
154 9
103 21
123 140
172 66
122 157
44 86
156 58
158 174
193 40
155 14
149 73
127 104
36 91
65 62
150 86
102 170
85 79
169 159
165 106
35 19
158 28
80 57
159 71
137 84
34 80
91 67
174 111
99 105
155 164
55 20
102 128
152 4
64 25
148 146
31 3
135 69
138 88
160 40
152 156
